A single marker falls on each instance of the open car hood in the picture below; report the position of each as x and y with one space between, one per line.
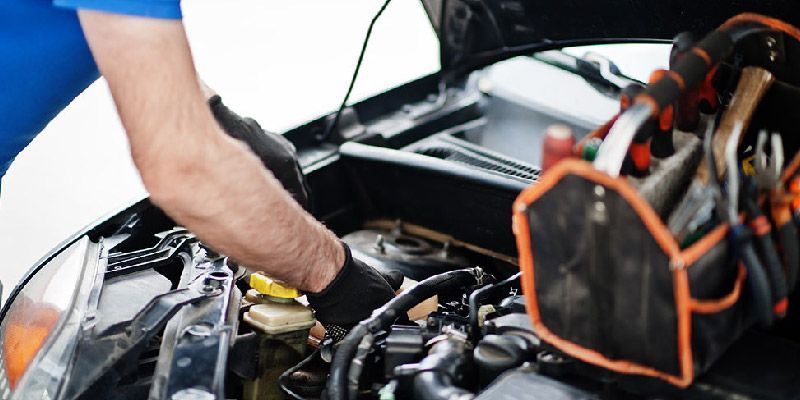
474 33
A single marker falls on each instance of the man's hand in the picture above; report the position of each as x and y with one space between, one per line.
207 181
357 290
276 153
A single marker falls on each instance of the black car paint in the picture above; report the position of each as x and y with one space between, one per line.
475 33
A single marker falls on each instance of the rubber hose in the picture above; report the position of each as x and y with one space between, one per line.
438 370
381 318
479 295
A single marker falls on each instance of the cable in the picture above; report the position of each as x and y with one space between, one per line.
479 295
283 380
353 79
386 315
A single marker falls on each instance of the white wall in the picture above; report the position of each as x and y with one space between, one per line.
281 62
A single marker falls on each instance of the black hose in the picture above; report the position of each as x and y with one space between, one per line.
437 372
357 365
383 317
337 382
479 295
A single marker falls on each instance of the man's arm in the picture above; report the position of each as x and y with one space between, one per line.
205 180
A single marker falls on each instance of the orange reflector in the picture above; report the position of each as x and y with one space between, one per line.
28 328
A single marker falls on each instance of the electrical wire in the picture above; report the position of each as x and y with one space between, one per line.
329 129
479 295
340 380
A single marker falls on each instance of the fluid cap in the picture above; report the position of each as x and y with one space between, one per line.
270 287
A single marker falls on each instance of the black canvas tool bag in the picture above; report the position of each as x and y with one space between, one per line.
607 283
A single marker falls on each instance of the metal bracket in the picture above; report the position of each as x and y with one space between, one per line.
162 253
102 360
194 349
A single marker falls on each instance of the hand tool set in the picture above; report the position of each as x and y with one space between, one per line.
674 227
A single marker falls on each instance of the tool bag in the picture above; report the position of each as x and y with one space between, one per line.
607 283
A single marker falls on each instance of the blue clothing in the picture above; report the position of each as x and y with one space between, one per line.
45 61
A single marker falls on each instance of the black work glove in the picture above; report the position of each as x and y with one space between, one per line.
275 152
351 297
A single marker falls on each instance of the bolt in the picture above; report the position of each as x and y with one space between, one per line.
192 394
771 41
380 244
210 284
773 55
202 329
446 249
599 191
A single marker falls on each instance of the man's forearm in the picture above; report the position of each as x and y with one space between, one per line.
236 205
204 179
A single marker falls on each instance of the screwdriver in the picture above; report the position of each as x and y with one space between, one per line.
740 235
662 145
637 161
687 107
768 171
701 99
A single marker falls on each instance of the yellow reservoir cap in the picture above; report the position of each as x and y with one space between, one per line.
270 287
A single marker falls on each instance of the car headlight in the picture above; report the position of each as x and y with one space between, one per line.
42 323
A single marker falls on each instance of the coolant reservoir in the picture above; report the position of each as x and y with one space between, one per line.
282 324
275 309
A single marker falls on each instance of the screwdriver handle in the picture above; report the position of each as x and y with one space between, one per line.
661 145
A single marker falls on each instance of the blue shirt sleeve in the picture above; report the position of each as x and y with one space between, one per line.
166 9
44 64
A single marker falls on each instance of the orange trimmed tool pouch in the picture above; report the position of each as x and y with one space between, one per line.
606 282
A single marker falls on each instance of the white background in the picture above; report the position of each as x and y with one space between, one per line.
281 62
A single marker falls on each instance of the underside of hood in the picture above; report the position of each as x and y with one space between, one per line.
474 33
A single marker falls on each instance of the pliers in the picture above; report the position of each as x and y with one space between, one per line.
768 174
740 235
762 236
768 169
